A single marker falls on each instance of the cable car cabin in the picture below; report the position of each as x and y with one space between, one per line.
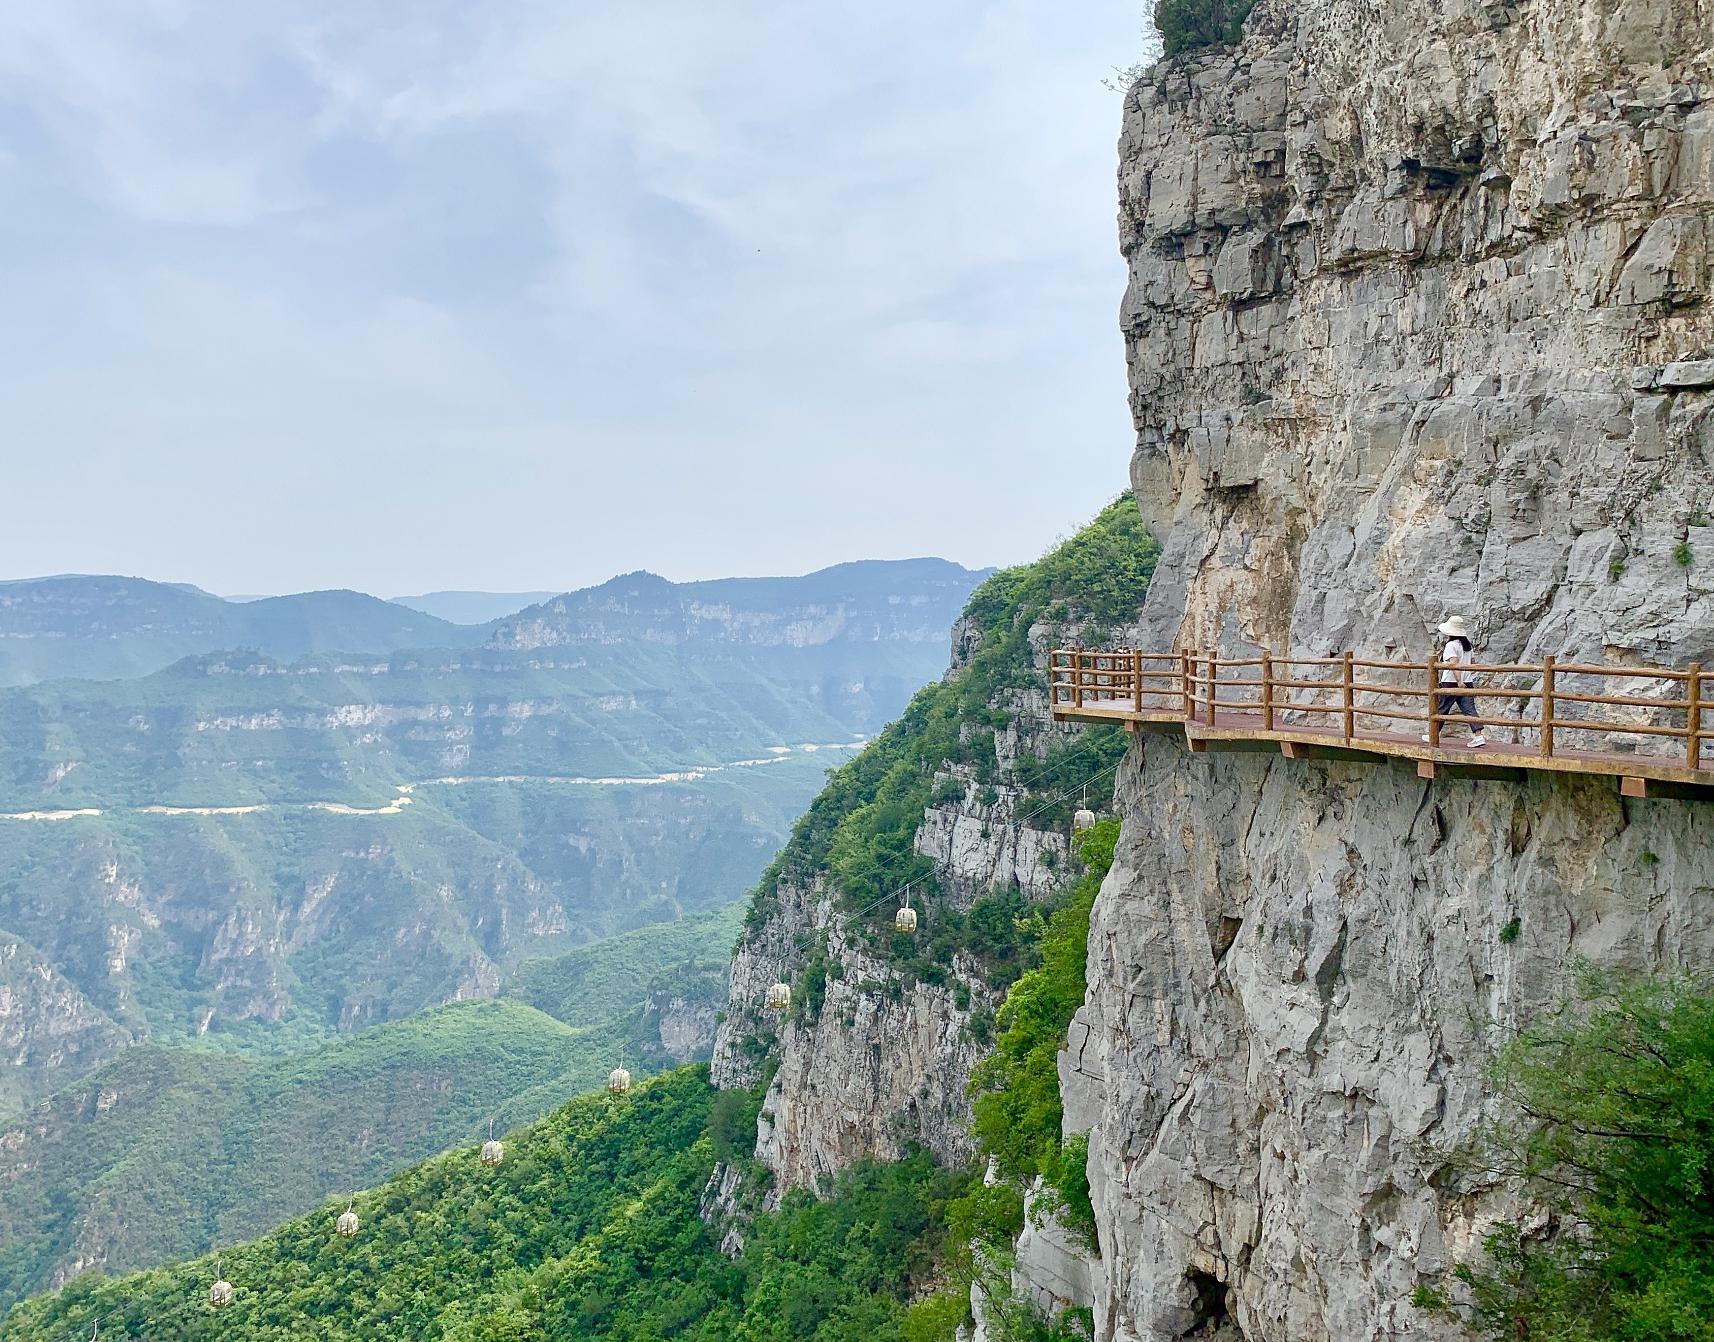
220 1295
346 1225
492 1152
905 920
618 1081
779 997
1084 819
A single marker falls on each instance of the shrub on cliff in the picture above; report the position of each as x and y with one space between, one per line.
1190 25
1018 1108
1615 1133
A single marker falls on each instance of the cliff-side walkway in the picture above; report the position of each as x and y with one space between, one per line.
1646 726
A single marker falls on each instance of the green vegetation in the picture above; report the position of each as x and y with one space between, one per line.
1018 1110
103 627
604 978
368 931
1511 931
1191 25
1682 554
1615 1132
860 831
192 1146
589 1229
231 729
1019 1117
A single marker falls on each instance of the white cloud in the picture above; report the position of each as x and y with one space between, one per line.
763 242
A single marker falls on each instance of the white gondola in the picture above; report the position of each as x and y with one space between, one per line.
492 1152
779 997
905 920
347 1224
220 1294
1084 819
618 1081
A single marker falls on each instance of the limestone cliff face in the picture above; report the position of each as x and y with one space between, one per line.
46 1025
906 601
884 1061
1418 322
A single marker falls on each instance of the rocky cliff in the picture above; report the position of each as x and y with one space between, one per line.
1418 322
882 1057
967 801
906 601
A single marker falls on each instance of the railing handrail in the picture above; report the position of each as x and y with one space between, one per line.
1190 689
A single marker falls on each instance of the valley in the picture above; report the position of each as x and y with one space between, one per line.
1153 941
268 927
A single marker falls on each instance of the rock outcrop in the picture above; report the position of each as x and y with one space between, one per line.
882 1060
1418 322
46 1026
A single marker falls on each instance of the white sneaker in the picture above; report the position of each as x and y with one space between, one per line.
1425 736
1476 743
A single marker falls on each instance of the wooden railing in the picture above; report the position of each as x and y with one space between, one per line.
1556 709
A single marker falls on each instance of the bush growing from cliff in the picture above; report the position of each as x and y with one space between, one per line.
1018 1109
1191 25
1615 1133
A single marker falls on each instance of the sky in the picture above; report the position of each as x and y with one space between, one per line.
416 294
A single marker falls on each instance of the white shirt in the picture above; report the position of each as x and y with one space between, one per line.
1456 654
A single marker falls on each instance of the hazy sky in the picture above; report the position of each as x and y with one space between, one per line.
407 295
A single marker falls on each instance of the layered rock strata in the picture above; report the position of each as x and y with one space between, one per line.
1418 323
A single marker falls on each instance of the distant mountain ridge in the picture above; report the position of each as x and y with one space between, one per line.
110 627
904 600
470 607
104 627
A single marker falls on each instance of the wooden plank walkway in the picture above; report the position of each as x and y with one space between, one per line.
1320 708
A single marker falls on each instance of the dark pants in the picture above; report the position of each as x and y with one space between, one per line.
1457 703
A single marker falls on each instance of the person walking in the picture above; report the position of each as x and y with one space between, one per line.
1455 675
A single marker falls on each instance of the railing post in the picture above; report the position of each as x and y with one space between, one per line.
1137 677
1077 678
1213 693
1267 690
1350 702
1547 704
1184 681
1433 704
1693 719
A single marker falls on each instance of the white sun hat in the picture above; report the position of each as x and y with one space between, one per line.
1455 627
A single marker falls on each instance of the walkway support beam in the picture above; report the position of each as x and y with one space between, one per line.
1693 718
1549 677
1350 701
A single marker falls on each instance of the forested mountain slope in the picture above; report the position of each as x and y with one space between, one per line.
279 928
588 1229
251 849
970 795
909 600
165 1151
101 627
237 729
966 803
